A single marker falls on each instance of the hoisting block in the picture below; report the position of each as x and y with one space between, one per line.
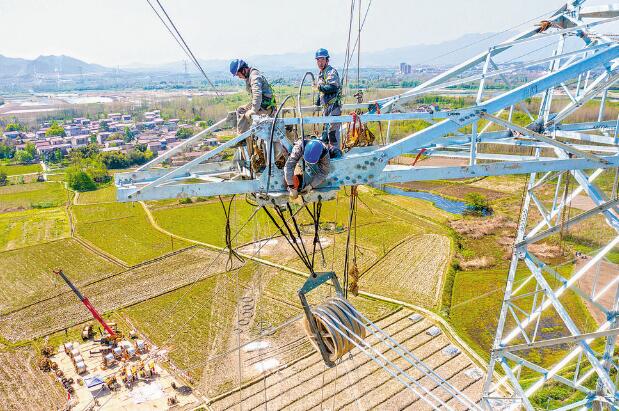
333 325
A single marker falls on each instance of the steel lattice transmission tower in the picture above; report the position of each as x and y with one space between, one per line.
563 155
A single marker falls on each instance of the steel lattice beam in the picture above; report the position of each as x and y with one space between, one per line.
550 144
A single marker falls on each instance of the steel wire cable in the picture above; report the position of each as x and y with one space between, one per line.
181 42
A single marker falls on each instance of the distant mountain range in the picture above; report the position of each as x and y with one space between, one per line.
445 53
47 65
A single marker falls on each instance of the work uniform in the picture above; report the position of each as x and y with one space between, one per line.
317 172
262 99
330 99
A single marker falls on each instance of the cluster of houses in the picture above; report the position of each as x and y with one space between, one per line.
108 133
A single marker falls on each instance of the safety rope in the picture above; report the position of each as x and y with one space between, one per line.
232 254
351 271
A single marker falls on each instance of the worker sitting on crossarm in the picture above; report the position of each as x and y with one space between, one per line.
316 156
262 97
329 98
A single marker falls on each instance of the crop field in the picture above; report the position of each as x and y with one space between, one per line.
205 221
34 195
25 228
111 293
412 271
26 273
13 170
23 387
102 195
123 230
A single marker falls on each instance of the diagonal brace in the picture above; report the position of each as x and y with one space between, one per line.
541 137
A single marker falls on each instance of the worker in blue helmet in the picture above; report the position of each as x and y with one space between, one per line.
262 96
329 99
317 162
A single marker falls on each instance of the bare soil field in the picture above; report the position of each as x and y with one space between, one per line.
356 382
450 189
23 387
113 292
605 282
412 271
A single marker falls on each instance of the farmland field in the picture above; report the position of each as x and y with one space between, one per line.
25 228
26 273
123 230
33 195
23 387
411 271
102 195
21 169
111 293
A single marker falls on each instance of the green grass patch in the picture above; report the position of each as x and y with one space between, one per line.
25 228
476 303
17 169
123 230
26 273
102 195
34 195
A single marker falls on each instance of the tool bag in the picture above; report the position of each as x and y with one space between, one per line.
358 134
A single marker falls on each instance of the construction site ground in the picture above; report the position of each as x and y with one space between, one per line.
356 382
145 394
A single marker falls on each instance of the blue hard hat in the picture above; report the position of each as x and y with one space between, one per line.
322 53
236 65
313 151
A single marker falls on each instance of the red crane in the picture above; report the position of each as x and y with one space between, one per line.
87 303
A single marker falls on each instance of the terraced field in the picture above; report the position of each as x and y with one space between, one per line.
123 230
307 384
25 228
24 196
26 273
412 271
23 387
113 292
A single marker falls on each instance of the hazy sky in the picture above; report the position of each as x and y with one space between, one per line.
124 32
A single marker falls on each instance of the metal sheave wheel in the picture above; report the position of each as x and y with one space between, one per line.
336 319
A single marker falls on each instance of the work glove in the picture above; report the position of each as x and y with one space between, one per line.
249 113
307 189
293 193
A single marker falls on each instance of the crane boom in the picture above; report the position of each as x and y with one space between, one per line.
86 303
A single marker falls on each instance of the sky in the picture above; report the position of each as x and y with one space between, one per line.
127 32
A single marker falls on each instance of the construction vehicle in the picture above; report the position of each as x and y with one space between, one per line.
112 334
111 383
